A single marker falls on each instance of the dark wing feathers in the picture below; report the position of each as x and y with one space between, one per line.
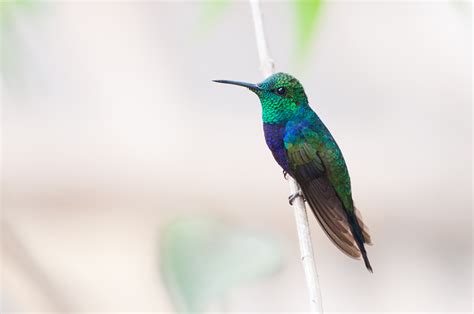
309 171
328 210
363 227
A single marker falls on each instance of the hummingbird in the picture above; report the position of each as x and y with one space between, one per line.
305 149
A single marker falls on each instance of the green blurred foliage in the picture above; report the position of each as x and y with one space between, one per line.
202 260
211 13
9 63
8 6
307 14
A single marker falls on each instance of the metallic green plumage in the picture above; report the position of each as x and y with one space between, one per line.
304 147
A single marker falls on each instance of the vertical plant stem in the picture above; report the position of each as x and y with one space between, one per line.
302 225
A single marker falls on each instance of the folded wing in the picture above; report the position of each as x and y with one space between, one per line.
309 170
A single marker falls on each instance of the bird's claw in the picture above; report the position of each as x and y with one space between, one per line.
292 197
285 175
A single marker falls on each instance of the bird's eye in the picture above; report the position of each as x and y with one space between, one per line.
281 91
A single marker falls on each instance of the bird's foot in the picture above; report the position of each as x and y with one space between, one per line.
292 197
285 175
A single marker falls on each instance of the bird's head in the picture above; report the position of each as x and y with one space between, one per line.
281 95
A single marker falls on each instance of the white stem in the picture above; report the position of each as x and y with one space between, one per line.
306 249
302 225
267 65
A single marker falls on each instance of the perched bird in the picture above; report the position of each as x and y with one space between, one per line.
306 150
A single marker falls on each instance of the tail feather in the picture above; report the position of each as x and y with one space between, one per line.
359 238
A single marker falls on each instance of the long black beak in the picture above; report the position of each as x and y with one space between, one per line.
253 87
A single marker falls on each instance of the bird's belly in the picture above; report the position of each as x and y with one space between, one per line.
274 134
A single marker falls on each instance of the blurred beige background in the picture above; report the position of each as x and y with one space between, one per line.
112 128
